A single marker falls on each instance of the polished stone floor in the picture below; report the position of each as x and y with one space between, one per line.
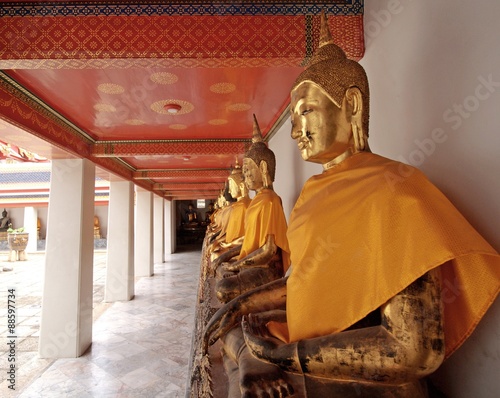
140 348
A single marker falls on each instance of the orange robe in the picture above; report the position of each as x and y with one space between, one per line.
236 225
264 217
224 218
363 231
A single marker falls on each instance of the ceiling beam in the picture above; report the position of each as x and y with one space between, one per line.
168 147
209 174
212 186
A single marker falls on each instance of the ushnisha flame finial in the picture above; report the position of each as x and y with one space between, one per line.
325 36
259 151
257 134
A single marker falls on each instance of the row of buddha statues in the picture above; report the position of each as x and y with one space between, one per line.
349 298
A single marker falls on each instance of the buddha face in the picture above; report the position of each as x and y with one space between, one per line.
252 174
321 129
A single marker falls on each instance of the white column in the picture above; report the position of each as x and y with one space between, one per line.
169 227
120 256
30 215
66 322
144 265
158 227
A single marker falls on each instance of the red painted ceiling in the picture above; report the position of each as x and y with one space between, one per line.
92 80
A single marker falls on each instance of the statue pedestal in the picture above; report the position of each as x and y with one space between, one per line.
207 376
206 373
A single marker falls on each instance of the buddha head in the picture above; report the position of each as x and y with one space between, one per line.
329 103
237 187
221 200
259 162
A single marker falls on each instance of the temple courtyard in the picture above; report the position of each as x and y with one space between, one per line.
140 348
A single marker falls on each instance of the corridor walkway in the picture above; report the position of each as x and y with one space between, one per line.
140 348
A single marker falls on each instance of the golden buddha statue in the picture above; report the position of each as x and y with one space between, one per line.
191 216
367 310
236 221
220 218
263 254
97 228
209 213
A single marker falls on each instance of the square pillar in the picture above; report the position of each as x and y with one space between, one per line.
144 265
158 230
66 321
170 227
30 226
120 257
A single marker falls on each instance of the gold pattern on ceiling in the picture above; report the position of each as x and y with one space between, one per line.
240 107
164 78
103 107
222 88
134 122
217 122
110 88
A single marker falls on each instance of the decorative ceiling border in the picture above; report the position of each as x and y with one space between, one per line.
164 41
35 103
180 7
174 147
150 63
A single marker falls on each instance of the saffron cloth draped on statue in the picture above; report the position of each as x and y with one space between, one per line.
384 226
265 217
236 224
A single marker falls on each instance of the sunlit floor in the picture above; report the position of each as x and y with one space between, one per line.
140 348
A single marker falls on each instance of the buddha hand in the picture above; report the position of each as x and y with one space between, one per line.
268 348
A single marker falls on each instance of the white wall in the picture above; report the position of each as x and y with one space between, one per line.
427 64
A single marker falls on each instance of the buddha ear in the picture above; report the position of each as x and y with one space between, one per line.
265 174
243 187
263 167
355 101
355 107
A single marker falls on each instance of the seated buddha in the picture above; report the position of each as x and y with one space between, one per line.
97 228
366 310
191 216
217 229
5 222
263 255
209 212
236 221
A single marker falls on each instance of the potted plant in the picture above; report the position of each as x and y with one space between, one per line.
17 239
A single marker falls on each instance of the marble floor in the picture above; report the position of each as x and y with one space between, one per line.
140 348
